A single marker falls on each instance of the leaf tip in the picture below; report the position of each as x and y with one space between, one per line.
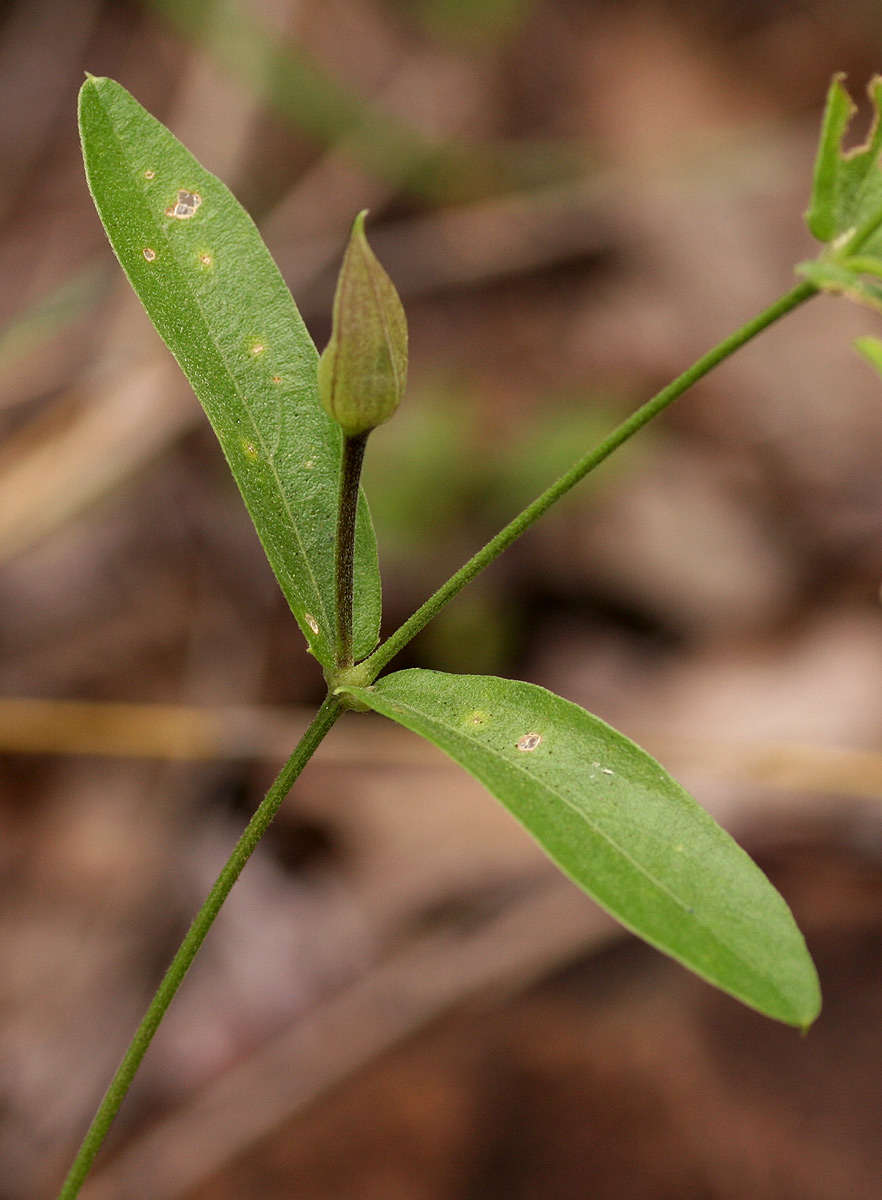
807 1022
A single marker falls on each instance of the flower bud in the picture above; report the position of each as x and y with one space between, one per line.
363 370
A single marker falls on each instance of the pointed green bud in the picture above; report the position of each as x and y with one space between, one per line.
363 370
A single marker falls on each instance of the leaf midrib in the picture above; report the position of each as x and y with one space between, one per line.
600 833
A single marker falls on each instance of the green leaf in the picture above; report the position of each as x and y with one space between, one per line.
870 348
844 278
846 203
619 826
211 288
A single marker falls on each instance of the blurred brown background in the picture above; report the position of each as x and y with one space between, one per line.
402 998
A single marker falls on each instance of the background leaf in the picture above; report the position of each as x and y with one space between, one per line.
619 826
870 348
211 288
847 189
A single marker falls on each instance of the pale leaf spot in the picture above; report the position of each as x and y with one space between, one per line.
250 450
477 718
149 174
529 741
184 206
149 253
309 464
311 622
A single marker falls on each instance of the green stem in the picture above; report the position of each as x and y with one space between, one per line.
257 826
350 474
412 626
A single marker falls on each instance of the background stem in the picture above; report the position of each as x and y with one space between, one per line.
257 826
350 474
412 626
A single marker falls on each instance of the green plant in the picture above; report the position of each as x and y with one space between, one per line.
609 815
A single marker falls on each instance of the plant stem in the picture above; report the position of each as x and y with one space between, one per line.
257 826
350 474
522 522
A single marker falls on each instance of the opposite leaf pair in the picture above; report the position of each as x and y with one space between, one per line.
605 811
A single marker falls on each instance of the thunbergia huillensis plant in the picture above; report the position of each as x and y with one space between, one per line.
294 428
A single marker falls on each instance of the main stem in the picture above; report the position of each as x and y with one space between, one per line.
257 826
412 626
350 474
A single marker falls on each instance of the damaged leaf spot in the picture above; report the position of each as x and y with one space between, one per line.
311 622
257 348
206 259
529 741
250 450
148 174
149 253
309 464
184 206
277 379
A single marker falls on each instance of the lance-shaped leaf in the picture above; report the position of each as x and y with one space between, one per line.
619 826
211 288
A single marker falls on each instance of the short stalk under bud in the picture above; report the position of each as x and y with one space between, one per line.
350 473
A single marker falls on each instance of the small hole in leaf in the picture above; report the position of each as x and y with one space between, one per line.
184 206
529 741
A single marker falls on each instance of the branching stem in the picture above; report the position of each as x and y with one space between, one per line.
522 522
353 455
